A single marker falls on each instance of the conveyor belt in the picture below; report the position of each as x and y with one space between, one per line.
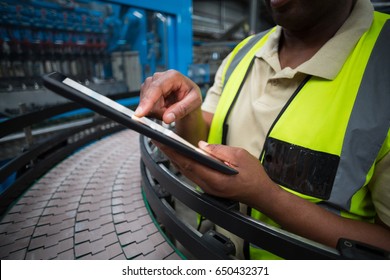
89 206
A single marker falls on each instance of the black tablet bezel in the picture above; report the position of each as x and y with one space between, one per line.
54 82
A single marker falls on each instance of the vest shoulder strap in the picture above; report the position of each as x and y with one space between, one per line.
239 53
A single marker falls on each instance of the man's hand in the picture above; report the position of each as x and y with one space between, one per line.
250 186
168 96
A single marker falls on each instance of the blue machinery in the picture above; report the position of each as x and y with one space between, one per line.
159 30
110 45
119 42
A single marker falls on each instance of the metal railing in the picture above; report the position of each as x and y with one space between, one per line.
40 156
159 178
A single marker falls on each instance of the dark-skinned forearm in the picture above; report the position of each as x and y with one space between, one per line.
313 222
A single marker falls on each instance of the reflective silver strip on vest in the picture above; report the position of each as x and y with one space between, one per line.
368 125
241 53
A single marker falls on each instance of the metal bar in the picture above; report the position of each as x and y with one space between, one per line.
18 123
27 129
185 234
19 162
253 17
25 180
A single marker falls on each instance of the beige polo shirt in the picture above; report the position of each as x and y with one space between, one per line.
268 87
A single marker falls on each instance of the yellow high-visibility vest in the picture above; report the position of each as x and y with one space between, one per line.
325 143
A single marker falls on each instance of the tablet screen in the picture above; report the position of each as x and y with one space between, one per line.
126 111
103 105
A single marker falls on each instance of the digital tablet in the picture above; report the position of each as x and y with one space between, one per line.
107 107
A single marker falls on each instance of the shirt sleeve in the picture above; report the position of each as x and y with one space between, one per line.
380 189
214 93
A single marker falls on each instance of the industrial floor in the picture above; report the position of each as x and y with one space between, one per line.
89 206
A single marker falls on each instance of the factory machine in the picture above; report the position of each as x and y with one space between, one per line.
111 46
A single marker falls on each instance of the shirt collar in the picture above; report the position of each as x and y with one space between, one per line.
328 61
